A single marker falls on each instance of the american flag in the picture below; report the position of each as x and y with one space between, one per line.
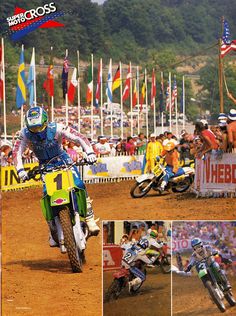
227 45
174 94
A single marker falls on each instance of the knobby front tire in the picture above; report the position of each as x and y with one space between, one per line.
72 251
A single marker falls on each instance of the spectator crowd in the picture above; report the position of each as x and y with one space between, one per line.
216 139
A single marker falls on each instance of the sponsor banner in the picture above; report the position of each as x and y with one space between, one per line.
112 255
216 175
10 180
107 167
181 245
114 167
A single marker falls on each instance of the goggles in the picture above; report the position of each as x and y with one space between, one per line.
38 129
198 247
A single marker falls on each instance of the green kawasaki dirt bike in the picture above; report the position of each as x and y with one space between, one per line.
214 284
64 208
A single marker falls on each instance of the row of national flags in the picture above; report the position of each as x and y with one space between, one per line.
28 85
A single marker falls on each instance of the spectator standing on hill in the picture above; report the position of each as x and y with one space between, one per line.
209 143
130 146
141 143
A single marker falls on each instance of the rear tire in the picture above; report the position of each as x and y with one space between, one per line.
215 296
139 189
114 290
165 264
230 299
73 254
182 186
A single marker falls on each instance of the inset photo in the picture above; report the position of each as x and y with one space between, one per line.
136 268
204 268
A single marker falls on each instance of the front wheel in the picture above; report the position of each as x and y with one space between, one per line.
230 299
215 297
181 186
140 189
165 264
73 254
114 290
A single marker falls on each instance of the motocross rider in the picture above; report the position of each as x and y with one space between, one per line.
200 252
148 250
45 140
171 156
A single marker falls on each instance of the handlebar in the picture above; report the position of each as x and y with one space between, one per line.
45 168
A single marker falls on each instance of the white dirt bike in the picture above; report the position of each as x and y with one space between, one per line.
177 184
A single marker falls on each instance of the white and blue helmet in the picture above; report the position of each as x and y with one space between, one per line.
36 119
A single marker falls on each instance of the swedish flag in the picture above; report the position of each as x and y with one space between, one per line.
21 83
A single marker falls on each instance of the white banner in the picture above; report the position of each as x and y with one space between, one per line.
114 167
216 176
181 245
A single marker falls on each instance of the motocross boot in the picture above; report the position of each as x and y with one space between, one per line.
163 185
134 282
90 221
52 228
60 235
224 280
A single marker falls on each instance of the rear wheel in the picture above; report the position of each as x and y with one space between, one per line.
114 290
140 189
215 297
230 299
73 254
181 186
165 264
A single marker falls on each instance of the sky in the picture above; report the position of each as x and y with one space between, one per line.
98 1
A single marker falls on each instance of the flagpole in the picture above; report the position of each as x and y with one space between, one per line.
92 99
154 104
131 100
22 110
35 98
138 98
52 97
66 96
121 104
221 71
162 107
78 97
170 105
101 96
145 74
176 115
4 93
108 102
183 102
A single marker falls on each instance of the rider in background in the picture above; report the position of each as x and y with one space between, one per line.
171 156
148 250
45 140
200 252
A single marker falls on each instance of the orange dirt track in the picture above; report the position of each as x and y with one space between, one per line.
36 279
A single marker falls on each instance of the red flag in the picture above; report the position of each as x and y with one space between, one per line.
48 84
126 91
1 73
153 90
135 96
72 86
